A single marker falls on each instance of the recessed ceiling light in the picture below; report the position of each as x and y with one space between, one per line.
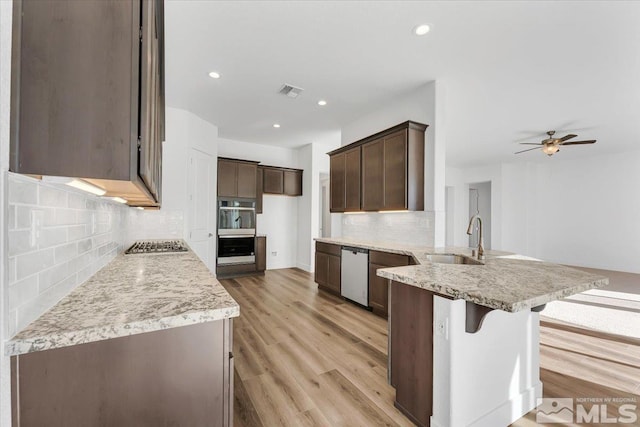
214 75
276 125
322 102
421 30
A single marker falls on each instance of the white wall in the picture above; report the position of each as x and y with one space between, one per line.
425 104
314 160
581 212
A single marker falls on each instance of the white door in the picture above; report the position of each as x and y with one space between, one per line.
201 184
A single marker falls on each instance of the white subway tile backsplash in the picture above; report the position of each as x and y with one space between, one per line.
53 197
52 237
85 245
70 246
23 291
33 262
77 201
23 216
66 217
76 232
11 218
65 252
413 228
25 191
54 275
20 242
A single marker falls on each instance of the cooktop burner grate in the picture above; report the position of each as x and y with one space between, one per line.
157 246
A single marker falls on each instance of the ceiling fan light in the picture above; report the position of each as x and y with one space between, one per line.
550 149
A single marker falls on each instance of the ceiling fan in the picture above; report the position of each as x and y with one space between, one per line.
551 145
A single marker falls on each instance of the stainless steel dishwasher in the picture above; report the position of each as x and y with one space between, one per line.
354 275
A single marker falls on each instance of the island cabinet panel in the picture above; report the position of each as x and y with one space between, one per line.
328 264
411 351
379 286
237 178
87 97
382 172
179 376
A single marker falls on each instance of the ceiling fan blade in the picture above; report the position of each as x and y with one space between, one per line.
531 143
591 141
567 137
529 149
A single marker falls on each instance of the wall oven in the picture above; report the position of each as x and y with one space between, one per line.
236 217
236 249
236 231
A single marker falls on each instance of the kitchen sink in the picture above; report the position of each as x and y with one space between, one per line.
452 259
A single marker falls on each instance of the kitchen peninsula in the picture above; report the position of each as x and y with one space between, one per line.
147 340
464 337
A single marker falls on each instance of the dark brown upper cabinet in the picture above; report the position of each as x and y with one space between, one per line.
237 178
389 167
88 94
345 181
283 181
259 190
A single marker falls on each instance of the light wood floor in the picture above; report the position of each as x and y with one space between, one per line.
305 358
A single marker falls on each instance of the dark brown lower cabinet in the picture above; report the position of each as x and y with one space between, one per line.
180 376
411 351
261 253
328 265
378 286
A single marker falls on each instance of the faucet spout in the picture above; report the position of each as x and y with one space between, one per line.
480 240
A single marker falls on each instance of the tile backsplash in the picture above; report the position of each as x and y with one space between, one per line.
57 238
413 228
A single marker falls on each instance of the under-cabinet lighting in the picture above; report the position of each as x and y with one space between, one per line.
118 199
355 213
85 186
396 211
75 183
139 207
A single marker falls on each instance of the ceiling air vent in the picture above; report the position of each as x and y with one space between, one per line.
290 91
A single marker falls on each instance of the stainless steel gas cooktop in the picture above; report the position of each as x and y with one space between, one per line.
157 247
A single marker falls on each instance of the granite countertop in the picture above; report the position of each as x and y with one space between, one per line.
131 295
505 281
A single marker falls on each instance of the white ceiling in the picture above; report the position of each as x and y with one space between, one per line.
512 69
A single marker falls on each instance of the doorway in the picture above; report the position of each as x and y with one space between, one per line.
480 203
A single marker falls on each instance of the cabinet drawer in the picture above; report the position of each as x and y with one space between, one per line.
388 259
328 248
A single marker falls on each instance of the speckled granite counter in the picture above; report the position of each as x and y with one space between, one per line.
506 281
131 295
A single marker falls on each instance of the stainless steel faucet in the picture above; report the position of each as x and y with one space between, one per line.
470 232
